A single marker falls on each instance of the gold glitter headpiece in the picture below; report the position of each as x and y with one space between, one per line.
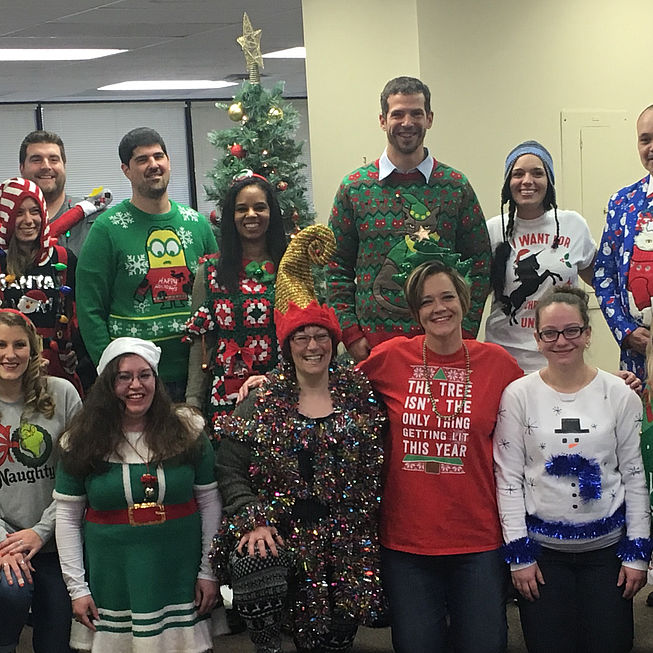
295 302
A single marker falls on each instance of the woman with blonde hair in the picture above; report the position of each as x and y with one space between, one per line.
34 411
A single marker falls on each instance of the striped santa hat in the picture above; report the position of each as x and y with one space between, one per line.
13 192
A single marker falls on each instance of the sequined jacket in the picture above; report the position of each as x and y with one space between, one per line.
261 482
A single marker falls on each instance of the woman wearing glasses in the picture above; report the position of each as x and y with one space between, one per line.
232 328
299 465
137 506
571 490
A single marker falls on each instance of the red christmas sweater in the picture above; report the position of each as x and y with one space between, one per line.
439 494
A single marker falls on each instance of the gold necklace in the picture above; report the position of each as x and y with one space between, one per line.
468 374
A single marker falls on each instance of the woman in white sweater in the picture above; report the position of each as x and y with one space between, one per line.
571 490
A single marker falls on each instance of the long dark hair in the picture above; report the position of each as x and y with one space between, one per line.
502 252
231 250
96 431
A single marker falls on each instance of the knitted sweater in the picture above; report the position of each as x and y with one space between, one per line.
386 228
134 278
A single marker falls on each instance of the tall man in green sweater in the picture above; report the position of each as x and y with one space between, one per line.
135 271
395 213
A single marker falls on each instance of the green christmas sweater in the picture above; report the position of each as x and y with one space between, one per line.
134 278
386 228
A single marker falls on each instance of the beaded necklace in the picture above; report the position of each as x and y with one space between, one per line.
468 373
148 480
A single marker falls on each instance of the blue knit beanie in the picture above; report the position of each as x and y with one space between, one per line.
530 147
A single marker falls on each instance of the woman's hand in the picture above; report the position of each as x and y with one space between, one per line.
20 566
526 581
250 383
85 612
257 540
632 579
206 592
26 542
631 380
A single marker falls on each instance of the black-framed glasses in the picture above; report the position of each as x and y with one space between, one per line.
302 339
552 335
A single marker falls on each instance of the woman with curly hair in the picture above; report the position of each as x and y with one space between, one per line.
34 410
137 506
233 299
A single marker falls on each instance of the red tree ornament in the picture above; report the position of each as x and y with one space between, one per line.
237 151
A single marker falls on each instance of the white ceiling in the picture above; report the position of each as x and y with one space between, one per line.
165 39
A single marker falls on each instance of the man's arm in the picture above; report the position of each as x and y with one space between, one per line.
473 243
341 273
606 279
94 289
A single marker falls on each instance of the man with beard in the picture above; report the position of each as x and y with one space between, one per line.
42 159
395 213
136 268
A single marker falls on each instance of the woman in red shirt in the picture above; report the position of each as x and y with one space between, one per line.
439 528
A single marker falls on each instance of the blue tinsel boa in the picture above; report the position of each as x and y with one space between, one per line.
587 471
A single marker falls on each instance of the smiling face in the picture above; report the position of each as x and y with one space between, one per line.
406 123
28 221
44 166
134 386
252 214
645 139
569 353
528 184
441 314
311 349
148 171
14 353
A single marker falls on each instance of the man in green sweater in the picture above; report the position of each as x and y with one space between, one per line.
136 268
395 213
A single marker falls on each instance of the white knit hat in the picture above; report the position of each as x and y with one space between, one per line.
147 350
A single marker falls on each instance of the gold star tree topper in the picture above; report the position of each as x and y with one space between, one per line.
250 42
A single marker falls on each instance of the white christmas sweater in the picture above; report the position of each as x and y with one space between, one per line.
533 266
568 467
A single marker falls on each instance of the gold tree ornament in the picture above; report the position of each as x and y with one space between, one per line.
275 114
250 42
236 111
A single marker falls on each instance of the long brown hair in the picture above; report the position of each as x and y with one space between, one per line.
34 381
96 431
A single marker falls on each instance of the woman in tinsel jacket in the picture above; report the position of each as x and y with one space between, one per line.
232 326
572 496
299 466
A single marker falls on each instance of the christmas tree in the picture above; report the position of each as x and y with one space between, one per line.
262 142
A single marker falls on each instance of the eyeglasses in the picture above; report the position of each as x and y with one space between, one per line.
302 339
127 377
552 335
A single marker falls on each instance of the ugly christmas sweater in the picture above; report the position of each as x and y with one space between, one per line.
386 228
134 278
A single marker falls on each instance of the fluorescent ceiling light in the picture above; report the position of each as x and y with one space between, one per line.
166 85
53 54
291 53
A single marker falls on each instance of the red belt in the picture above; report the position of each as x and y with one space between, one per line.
142 514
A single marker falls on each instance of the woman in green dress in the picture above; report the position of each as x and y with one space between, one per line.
137 505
